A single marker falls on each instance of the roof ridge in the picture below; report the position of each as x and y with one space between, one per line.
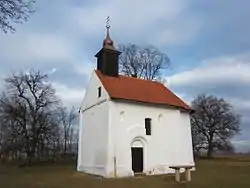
139 79
130 77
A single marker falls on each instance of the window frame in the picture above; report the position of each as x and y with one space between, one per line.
148 126
99 92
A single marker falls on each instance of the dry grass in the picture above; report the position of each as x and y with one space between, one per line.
222 172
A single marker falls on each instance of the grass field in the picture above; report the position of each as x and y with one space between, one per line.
217 173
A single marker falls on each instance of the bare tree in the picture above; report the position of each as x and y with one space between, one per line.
27 108
68 121
214 123
142 62
14 11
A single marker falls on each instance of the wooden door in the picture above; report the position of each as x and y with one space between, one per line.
137 159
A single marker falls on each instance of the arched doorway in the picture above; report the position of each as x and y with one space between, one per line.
137 156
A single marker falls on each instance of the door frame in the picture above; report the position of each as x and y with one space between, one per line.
139 142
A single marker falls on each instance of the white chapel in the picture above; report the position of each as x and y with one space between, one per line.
129 125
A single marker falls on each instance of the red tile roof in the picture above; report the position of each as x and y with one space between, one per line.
134 89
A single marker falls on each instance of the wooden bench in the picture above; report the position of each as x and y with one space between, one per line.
177 172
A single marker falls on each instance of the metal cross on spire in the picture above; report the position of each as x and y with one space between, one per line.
108 22
107 42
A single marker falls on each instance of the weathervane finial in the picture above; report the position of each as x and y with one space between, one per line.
107 42
108 22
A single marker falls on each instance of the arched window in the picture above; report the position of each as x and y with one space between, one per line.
160 117
122 115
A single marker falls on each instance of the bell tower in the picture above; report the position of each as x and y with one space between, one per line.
108 56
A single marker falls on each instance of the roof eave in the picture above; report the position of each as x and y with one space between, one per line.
189 110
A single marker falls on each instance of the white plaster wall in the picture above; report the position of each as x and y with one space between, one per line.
93 130
108 128
91 95
169 144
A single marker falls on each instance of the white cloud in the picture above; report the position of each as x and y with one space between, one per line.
241 142
216 71
183 96
240 104
216 74
70 96
179 32
241 145
85 69
52 71
153 22
1 83
28 47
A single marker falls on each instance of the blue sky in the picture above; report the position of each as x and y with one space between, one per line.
207 41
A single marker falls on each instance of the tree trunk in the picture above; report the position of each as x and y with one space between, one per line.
210 151
30 158
65 144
